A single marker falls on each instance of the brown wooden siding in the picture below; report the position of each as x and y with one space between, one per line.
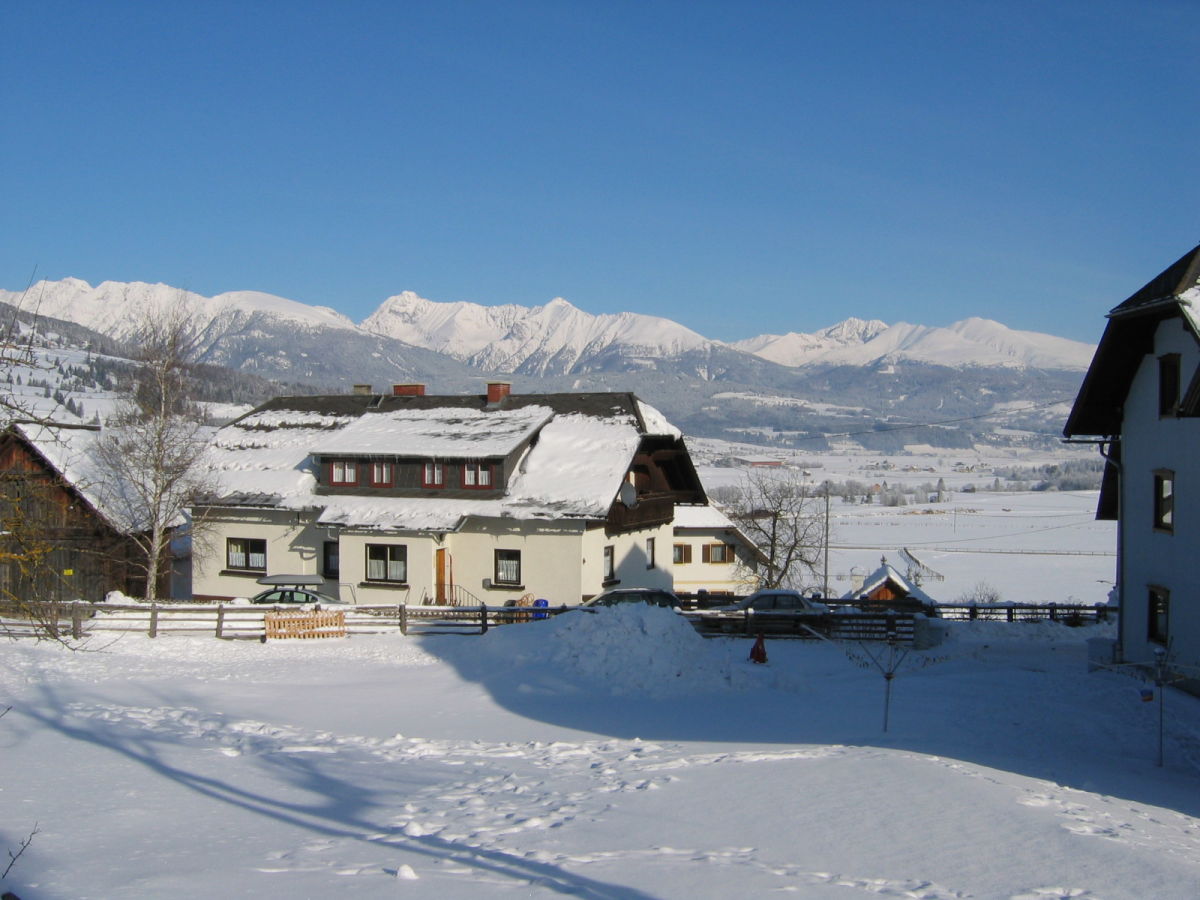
54 545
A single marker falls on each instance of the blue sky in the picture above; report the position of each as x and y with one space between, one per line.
739 167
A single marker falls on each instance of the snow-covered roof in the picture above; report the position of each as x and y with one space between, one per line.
73 453
438 433
884 574
580 448
656 422
701 517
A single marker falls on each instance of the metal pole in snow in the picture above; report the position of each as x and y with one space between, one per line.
1160 665
887 699
825 577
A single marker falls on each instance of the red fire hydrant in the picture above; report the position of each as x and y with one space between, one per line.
758 653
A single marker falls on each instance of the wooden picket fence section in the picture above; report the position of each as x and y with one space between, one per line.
304 624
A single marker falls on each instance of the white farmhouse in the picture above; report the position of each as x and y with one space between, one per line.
711 554
1140 400
413 498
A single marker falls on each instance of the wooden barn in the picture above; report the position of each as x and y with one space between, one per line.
57 539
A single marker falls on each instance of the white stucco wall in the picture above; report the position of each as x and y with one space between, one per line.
1149 557
550 559
561 562
736 577
630 564
353 585
293 548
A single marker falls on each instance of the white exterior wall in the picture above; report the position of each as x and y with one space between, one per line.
737 577
550 560
352 565
630 564
294 547
1149 557
561 562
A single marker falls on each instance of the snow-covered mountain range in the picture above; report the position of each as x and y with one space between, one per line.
114 308
971 342
889 386
556 338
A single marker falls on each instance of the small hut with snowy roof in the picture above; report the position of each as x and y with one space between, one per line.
886 588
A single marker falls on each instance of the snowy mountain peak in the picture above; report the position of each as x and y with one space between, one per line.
554 338
853 329
971 342
115 308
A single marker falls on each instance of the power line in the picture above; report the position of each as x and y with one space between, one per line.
982 550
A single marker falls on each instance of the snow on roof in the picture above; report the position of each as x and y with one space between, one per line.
576 467
701 517
573 469
437 433
887 573
265 456
656 422
73 454
1188 302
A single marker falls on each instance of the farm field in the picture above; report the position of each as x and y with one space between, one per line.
1026 546
622 755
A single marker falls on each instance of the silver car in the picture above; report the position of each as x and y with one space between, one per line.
768 611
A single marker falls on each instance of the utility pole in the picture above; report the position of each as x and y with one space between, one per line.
825 585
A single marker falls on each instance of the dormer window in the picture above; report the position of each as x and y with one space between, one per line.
433 475
381 474
343 472
1168 385
477 475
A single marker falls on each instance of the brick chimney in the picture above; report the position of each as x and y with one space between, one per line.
408 390
362 389
497 391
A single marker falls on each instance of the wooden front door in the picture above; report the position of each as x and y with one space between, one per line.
445 575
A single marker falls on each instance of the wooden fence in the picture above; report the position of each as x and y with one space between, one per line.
238 621
304 624
1067 613
839 626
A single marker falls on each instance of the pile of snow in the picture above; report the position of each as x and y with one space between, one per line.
626 650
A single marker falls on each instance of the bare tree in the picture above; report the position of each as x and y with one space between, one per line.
785 519
153 441
982 593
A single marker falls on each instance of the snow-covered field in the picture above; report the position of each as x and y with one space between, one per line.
620 755
1028 546
609 755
